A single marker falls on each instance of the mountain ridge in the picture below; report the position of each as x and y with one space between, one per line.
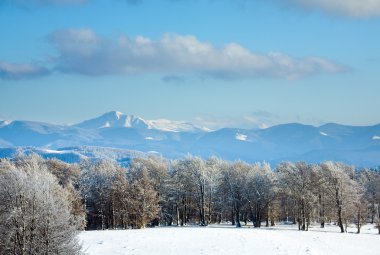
358 145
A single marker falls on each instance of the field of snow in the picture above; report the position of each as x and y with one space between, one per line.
226 239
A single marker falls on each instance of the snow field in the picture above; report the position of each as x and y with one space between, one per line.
225 239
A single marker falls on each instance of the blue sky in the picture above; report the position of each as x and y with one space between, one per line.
216 63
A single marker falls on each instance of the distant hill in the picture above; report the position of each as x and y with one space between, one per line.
358 145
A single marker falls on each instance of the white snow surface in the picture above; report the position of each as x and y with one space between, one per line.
4 123
53 151
174 126
118 119
241 137
114 119
225 239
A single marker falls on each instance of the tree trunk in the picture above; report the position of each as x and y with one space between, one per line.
257 217
203 218
237 215
340 222
210 221
322 211
303 216
359 222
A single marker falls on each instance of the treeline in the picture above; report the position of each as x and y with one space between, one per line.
153 191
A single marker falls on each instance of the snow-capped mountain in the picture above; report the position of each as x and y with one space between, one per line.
175 126
114 119
173 139
118 119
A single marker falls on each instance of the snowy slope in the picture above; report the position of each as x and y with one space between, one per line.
227 240
117 119
175 126
114 119
75 154
296 142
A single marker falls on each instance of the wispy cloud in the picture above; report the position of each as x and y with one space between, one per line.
11 71
350 8
82 51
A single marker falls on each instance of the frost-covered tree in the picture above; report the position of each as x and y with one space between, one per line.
182 190
296 181
234 183
370 179
158 172
66 173
144 200
213 177
35 211
68 178
97 185
187 190
260 192
342 190
196 172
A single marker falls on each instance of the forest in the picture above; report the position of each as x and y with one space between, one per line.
45 202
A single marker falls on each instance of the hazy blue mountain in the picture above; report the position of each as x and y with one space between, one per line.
75 154
129 134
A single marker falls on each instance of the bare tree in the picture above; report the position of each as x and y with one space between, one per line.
342 190
296 180
260 192
234 183
144 199
97 187
158 171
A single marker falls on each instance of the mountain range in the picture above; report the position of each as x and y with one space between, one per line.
119 136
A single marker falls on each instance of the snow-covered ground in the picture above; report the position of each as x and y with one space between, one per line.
225 239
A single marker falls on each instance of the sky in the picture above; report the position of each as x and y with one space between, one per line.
216 63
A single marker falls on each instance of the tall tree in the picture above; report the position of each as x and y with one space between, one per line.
260 192
234 182
144 200
35 212
296 180
342 190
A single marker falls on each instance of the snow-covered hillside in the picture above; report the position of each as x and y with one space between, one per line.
175 126
352 145
75 154
228 240
115 119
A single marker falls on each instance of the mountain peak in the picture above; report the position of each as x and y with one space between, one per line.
4 123
115 114
114 119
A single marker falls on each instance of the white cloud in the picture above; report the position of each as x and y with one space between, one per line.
10 71
84 52
352 8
